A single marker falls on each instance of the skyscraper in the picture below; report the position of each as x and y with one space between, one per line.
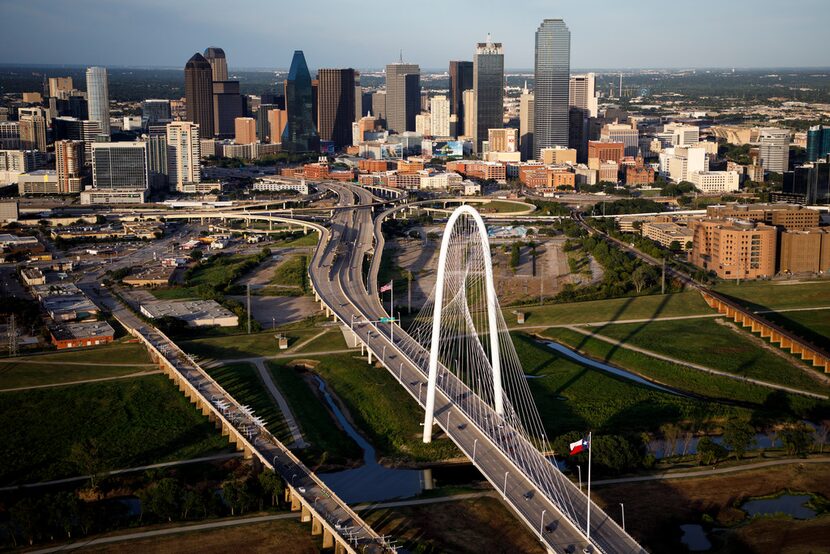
552 70
403 96
198 92
32 131
818 142
157 156
439 109
774 149
300 133
69 163
488 86
97 94
183 154
218 64
244 130
526 101
228 104
60 87
155 111
469 100
461 79
582 93
379 106
336 105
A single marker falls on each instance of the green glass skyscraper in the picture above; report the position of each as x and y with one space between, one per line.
300 133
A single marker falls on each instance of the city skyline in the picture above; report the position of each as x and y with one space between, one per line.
790 38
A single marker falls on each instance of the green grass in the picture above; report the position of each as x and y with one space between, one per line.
332 339
778 294
292 272
696 382
502 207
216 272
708 343
635 307
381 409
133 422
242 381
51 368
311 239
317 424
572 397
237 346
813 325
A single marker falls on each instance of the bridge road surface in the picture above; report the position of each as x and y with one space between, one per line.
273 453
338 280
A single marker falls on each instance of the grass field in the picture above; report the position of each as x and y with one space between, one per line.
778 294
318 426
219 271
257 538
311 239
233 347
655 510
292 272
132 422
503 207
636 307
471 526
708 343
242 381
46 369
381 409
812 325
673 375
572 397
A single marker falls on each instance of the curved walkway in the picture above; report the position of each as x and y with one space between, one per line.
84 381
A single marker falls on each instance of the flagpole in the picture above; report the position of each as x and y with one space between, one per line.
590 450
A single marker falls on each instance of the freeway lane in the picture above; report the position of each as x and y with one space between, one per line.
337 274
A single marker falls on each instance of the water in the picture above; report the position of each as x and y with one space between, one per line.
580 359
371 482
694 537
791 504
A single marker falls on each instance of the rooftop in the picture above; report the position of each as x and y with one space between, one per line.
81 330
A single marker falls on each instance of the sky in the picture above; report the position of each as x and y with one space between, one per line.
365 34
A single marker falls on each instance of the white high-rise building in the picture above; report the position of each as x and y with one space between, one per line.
423 124
774 149
439 110
681 162
526 123
120 165
710 182
582 93
183 154
97 95
470 124
681 134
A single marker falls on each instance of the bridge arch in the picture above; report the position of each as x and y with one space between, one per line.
492 307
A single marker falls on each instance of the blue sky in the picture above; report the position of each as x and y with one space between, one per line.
367 34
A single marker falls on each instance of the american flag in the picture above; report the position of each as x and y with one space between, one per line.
387 287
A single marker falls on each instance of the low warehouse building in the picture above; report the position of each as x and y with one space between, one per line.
196 313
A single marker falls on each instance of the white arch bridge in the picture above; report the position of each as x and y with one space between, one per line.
476 391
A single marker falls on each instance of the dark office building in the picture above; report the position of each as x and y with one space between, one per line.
198 92
336 105
403 96
818 142
228 104
157 156
263 126
461 79
578 119
488 84
810 183
300 133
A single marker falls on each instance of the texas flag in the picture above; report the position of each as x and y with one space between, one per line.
579 446
386 288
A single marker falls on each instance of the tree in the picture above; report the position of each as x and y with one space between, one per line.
796 438
709 452
232 493
86 456
641 277
166 498
738 436
821 435
272 485
670 432
674 246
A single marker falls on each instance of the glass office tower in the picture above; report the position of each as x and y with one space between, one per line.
488 87
553 68
300 133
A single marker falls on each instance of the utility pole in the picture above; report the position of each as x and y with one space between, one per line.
542 284
409 292
663 279
12 337
248 288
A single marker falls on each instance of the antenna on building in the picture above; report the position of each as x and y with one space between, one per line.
489 40
401 55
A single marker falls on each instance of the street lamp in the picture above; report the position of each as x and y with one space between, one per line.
400 373
542 523
420 385
475 443
384 353
504 492
579 468
622 510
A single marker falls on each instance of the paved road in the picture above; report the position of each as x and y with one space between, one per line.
337 274
287 414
